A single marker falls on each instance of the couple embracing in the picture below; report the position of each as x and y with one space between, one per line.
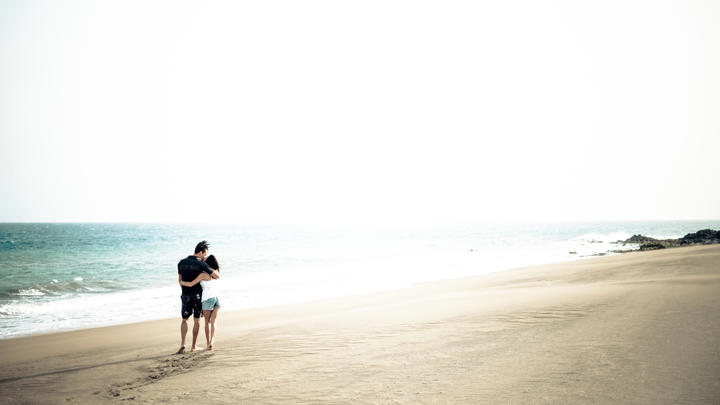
198 276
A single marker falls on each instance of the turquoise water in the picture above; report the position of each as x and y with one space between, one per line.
69 276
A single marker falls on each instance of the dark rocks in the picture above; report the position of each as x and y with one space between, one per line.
648 243
665 243
652 246
639 239
702 237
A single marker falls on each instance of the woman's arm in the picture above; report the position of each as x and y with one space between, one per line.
201 277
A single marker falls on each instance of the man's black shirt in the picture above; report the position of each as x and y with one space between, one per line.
189 268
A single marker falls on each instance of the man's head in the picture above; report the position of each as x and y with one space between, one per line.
201 250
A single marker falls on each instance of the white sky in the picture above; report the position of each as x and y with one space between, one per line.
379 111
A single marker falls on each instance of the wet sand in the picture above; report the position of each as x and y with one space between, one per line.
638 328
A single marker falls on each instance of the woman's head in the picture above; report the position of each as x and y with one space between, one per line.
212 262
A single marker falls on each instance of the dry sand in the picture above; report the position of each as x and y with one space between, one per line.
638 328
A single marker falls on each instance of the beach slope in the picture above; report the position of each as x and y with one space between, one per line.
637 328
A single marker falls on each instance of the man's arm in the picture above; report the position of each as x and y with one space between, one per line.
199 278
180 279
214 274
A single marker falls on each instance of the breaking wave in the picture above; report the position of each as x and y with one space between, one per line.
74 286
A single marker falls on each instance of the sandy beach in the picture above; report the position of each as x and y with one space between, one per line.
637 328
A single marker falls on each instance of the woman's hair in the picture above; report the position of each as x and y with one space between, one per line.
212 262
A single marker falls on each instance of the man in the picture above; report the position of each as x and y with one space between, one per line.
188 269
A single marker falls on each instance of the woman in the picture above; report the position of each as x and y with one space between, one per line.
210 299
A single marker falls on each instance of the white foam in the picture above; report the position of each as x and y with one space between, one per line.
7 309
29 292
603 237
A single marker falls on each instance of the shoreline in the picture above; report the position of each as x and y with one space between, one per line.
574 331
345 261
320 300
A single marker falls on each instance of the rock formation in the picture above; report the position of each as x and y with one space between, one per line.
701 237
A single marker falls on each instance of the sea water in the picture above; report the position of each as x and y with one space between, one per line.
63 276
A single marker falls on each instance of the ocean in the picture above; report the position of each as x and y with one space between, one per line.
64 276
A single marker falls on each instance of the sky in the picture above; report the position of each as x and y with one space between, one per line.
354 112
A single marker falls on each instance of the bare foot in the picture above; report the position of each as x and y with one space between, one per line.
210 347
196 349
181 350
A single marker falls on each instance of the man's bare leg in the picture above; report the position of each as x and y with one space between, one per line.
196 331
183 334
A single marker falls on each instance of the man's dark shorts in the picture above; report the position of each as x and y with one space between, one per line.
191 304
